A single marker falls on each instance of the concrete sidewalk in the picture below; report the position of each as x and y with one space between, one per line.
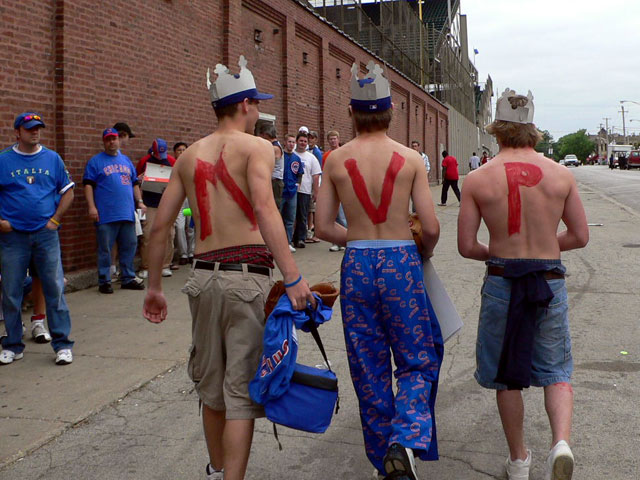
125 408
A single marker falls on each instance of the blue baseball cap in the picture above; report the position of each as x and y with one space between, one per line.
159 149
28 120
110 132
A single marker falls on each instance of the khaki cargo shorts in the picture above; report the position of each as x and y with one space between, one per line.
227 311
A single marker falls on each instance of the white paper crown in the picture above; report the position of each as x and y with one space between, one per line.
371 93
233 88
512 107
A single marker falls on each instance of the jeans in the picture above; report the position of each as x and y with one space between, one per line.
125 234
445 187
302 213
16 251
288 212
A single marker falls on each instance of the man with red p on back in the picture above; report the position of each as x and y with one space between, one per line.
239 232
384 305
523 331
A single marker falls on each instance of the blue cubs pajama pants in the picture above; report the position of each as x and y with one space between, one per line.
385 310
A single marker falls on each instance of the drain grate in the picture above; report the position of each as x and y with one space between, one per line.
631 245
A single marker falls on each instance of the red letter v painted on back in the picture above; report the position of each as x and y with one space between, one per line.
376 214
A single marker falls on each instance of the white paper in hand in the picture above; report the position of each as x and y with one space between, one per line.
448 318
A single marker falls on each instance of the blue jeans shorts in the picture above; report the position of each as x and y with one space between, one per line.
552 361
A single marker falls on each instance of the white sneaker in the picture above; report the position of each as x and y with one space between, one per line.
39 332
64 356
8 356
376 475
560 462
166 272
334 248
518 469
215 474
143 274
292 248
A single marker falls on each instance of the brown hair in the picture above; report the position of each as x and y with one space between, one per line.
372 122
226 111
333 133
515 135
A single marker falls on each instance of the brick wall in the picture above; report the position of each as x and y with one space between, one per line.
86 64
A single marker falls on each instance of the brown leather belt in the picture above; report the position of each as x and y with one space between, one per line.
499 272
232 267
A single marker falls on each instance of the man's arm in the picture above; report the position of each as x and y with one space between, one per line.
469 220
577 233
327 207
155 305
423 203
315 187
65 202
259 168
137 195
93 211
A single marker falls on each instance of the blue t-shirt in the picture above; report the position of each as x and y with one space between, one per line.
112 178
29 187
318 154
293 170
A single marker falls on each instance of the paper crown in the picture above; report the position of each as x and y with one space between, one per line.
515 108
233 88
371 93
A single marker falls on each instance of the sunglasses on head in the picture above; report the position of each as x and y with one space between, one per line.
28 118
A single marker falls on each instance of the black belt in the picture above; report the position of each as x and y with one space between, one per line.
232 267
499 272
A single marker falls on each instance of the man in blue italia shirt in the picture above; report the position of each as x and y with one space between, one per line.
293 170
31 179
112 192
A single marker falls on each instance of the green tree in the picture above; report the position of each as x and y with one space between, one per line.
545 144
577 143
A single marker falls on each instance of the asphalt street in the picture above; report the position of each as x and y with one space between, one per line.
125 409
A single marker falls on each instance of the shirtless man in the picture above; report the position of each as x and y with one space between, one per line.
227 178
383 300
524 338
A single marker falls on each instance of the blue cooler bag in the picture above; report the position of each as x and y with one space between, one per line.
309 402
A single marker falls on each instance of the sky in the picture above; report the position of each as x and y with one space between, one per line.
578 58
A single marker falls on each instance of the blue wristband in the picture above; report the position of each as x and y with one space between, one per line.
294 283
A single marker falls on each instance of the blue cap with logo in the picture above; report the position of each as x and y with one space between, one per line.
28 120
159 149
110 132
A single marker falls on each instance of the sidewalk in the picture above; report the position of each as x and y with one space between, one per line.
126 409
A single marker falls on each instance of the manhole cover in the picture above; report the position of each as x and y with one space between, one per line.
631 245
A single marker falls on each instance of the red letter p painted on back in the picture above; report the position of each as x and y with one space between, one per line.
519 175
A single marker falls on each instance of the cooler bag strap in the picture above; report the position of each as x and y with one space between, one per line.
313 328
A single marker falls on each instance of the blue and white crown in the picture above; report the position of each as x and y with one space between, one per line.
371 93
233 88
515 108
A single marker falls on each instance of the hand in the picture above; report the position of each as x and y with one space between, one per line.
300 294
52 226
93 214
5 226
155 306
142 207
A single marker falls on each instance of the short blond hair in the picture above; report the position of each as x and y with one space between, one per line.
515 135
333 133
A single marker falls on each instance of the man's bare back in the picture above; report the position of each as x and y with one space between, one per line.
375 177
521 196
214 173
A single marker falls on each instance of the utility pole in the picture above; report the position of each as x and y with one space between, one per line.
421 45
607 128
624 129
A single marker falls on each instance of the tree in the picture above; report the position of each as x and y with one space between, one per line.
577 143
546 143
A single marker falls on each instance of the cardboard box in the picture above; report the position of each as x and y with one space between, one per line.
450 321
156 178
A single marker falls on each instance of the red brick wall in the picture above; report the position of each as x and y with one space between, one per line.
86 64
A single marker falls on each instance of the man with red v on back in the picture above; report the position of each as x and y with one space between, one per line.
523 330
384 305
239 232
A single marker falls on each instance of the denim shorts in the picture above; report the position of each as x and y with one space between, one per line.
552 361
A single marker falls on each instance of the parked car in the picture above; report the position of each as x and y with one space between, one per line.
633 161
571 160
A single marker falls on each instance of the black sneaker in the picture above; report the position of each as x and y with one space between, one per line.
300 244
399 462
133 285
105 288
